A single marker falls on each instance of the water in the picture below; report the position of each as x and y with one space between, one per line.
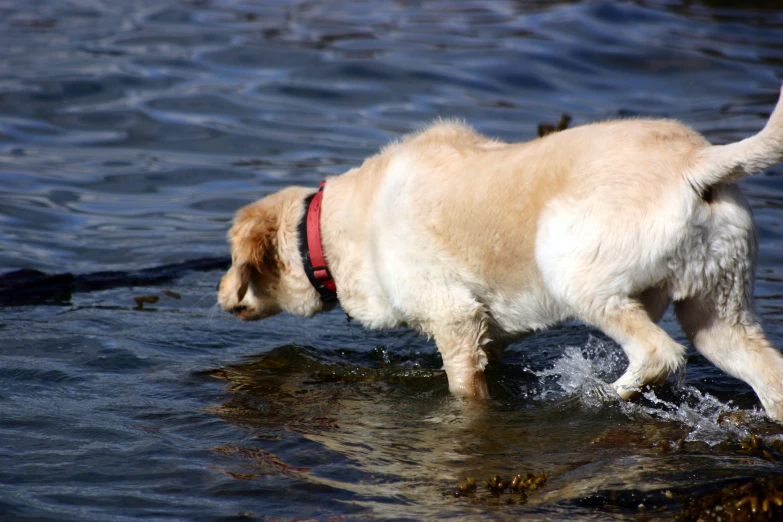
131 131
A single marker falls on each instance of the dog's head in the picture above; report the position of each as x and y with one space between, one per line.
266 276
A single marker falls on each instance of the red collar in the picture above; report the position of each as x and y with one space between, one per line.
311 249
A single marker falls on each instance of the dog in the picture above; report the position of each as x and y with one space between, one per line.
476 242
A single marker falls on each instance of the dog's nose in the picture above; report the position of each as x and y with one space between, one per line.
238 309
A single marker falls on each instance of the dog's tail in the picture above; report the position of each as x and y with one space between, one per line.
732 162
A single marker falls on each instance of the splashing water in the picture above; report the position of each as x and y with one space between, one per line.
585 372
704 415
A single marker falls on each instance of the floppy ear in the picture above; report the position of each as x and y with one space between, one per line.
253 242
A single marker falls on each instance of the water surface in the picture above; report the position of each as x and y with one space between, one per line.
131 131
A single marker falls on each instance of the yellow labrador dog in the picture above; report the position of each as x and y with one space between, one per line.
476 242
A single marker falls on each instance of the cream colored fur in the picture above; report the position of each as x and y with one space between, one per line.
476 242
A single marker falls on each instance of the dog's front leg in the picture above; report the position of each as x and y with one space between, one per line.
461 347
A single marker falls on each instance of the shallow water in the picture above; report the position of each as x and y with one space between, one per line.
131 131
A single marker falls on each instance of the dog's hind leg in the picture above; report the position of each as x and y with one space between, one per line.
652 353
736 345
602 301
714 303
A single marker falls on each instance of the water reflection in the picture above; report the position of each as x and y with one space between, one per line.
378 425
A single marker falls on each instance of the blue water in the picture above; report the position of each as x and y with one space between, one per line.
130 132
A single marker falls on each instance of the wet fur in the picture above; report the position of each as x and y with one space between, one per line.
476 242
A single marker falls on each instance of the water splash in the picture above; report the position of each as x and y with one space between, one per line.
585 372
706 418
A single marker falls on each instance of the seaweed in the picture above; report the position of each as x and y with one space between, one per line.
545 128
33 287
758 500
499 490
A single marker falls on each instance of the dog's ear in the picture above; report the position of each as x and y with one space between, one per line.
253 242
